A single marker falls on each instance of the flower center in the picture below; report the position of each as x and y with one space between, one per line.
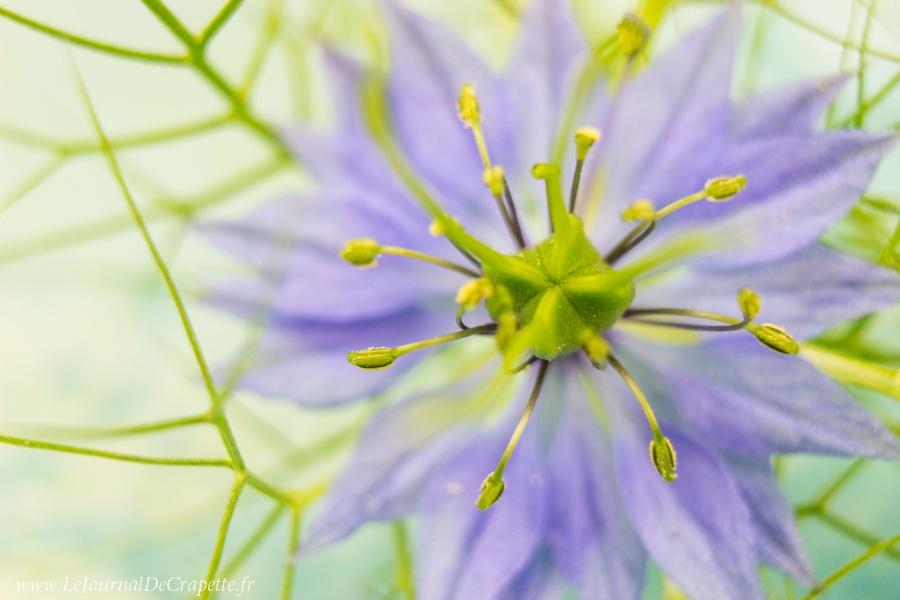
559 296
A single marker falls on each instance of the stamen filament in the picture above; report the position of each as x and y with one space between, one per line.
514 214
666 469
443 339
429 259
493 485
630 241
731 323
495 179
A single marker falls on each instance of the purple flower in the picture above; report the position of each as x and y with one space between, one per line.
583 505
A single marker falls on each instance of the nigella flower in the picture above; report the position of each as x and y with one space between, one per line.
577 340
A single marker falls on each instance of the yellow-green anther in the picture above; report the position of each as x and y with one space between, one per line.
632 33
373 359
436 228
724 188
775 338
361 252
639 210
584 139
596 350
491 490
749 303
662 454
559 216
473 292
507 326
468 106
493 179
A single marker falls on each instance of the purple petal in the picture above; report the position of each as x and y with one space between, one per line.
805 293
467 553
550 48
748 399
589 532
794 109
796 187
391 465
347 78
777 539
316 283
541 580
696 528
429 66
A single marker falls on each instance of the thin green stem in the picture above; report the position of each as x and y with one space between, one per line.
147 460
253 542
508 7
846 528
239 482
293 545
888 254
227 435
219 21
444 339
268 489
861 71
147 138
827 492
151 246
109 432
780 10
853 564
267 37
92 44
34 180
197 58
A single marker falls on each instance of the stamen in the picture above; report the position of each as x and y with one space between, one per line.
559 217
584 139
661 452
374 359
494 485
513 213
719 189
769 335
364 251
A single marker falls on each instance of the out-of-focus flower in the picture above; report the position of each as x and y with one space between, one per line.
727 198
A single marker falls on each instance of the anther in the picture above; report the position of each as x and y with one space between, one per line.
662 454
468 106
632 33
474 291
493 179
372 359
639 210
491 489
775 338
749 303
362 252
721 189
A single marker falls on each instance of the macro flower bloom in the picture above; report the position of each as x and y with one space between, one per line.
608 336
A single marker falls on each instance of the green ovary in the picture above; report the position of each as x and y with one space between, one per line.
574 297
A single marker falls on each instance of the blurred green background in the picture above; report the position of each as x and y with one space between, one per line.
89 337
